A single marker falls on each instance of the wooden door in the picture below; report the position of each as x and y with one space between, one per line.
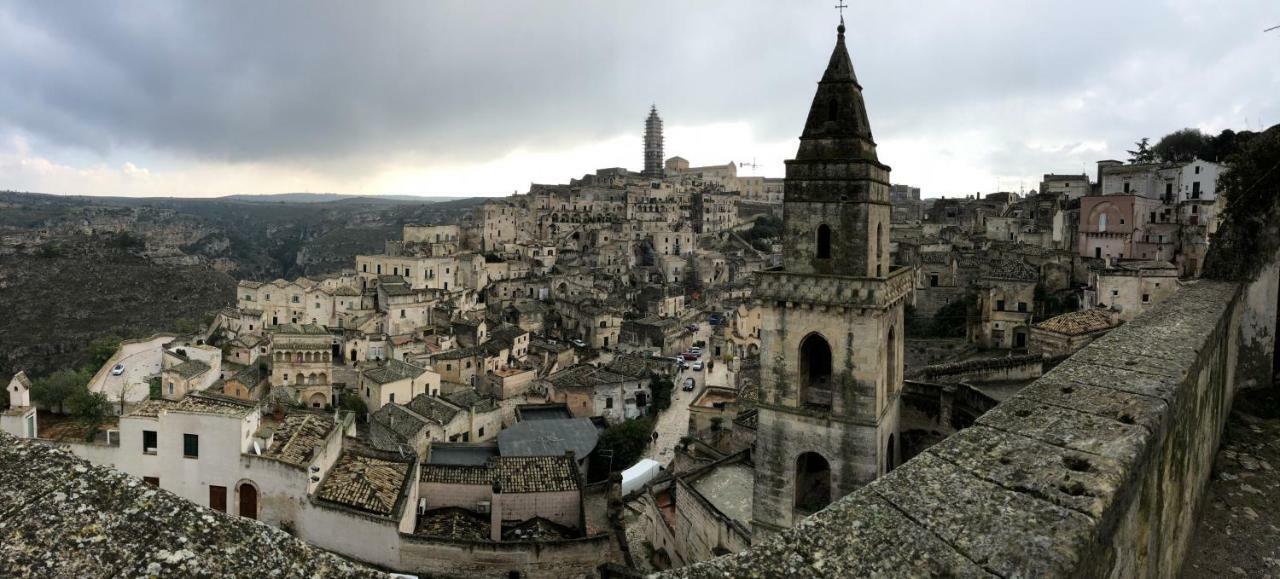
248 501
218 498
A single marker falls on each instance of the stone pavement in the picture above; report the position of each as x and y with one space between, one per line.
1239 529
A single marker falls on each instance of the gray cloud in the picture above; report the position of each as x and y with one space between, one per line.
341 84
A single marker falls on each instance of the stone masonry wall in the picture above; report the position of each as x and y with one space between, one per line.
1096 469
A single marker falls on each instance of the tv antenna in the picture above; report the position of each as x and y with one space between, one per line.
752 164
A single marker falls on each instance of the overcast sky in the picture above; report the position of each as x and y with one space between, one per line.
206 98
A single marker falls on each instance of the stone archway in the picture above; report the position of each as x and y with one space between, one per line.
317 400
248 493
815 371
813 483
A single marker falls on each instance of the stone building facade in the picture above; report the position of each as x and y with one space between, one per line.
831 340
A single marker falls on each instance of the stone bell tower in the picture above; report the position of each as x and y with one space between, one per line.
831 356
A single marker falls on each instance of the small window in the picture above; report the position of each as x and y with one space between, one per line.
999 305
1022 307
152 480
824 241
608 402
392 396
1146 298
480 433
149 442
364 267
191 446
1115 293
402 313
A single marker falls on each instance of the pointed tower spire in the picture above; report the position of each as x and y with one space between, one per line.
836 172
837 127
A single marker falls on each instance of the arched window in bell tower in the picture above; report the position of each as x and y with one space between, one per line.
824 241
815 372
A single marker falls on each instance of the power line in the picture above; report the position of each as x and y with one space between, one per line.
1272 28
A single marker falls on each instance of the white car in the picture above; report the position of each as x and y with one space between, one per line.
117 370
697 366
578 343
689 384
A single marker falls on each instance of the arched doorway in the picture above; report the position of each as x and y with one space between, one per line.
815 371
317 400
813 483
248 500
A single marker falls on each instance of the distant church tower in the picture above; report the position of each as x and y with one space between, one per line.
831 356
653 144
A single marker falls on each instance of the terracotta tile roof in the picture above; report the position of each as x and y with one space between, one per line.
392 371
453 523
515 474
1080 323
457 474
149 409
365 483
297 438
433 409
189 368
1011 269
536 474
212 404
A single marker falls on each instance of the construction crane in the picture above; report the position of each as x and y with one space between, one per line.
752 164
1272 28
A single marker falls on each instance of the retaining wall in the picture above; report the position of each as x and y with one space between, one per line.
1096 469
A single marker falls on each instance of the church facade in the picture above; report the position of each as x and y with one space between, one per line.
832 335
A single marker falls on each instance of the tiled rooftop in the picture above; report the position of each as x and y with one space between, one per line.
298 436
212 404
453 523
391 371
516 474
365 483
585 376
190 368
433 409
536 474
62 517
1080 323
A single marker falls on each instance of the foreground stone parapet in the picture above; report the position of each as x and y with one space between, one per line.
62 517
1095 469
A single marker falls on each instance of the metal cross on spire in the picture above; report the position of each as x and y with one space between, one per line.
840 5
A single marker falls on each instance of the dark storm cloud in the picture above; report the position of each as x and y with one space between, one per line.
349 82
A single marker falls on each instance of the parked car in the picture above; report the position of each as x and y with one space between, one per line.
690 356
689 384
697 366
578 343
117 370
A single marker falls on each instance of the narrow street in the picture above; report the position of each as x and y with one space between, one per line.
673 423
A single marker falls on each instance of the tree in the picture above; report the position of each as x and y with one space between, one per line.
354 404
88 407
1181 146
661 389
186 326
55 390
1250 230
952 320
126 388
1144 154
627 440
102 348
